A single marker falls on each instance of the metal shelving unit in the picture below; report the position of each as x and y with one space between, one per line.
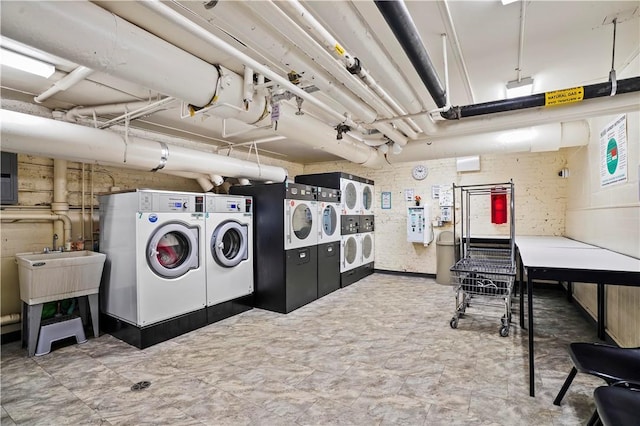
483 274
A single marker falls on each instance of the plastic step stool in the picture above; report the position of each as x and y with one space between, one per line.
57 329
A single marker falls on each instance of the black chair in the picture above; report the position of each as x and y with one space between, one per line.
610 363
617 406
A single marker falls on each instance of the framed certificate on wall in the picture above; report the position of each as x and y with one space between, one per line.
386 200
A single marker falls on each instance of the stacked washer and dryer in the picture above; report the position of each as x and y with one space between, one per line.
173 263
357 222
285 244
154 279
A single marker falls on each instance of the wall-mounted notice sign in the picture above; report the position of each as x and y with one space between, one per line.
386 200
613 152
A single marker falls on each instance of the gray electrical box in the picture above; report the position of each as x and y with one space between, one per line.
9 171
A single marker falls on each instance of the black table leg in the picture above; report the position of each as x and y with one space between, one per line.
532 385
601 311
569 291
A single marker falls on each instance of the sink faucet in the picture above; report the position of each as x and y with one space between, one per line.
55 241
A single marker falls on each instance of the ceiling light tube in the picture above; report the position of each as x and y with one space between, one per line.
517 88
25 63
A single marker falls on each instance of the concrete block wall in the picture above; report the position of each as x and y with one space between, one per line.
540 201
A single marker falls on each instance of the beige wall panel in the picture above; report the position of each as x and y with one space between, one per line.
608 217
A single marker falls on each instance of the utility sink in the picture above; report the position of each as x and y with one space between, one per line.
46 277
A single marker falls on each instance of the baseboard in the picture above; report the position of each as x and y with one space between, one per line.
12 336
404 273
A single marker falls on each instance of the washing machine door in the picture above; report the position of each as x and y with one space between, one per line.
329 217
367 247
350 198
172 250
367 199
301 224
230 243
350 254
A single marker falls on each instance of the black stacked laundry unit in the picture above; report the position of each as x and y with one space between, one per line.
328 241
285 244
357 221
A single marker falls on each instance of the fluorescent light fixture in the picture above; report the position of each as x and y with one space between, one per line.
517 88
25 63
506 2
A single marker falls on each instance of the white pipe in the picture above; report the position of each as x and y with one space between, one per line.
523 11
119 108
195 29
50 216
248 86
232 17
457 50
348 24
138 112
60 204
549 137
334 47
74 77
446 72
217 180
31 24
9 319
276 45
116 47
29 134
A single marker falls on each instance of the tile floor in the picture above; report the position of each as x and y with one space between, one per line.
377 352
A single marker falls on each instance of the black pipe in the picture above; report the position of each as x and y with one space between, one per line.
592 91
403 27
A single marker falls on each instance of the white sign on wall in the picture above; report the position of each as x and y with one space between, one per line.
613 152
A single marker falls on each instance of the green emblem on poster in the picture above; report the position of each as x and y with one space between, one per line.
612 156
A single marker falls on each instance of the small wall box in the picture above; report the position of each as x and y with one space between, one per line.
9 168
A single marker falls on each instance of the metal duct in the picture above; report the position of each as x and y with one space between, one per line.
28 134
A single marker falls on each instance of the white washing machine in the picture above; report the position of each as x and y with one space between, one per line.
154 242
367 195
229 251
368 247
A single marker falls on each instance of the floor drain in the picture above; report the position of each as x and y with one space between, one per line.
140 386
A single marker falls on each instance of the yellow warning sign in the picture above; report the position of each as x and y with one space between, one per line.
566 96
339 49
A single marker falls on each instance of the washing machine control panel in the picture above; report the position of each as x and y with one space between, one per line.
228 204
161 202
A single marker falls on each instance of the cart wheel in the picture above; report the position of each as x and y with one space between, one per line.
454 322
504 331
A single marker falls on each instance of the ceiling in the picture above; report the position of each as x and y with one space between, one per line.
564 44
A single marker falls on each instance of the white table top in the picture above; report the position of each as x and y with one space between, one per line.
527 241
536 254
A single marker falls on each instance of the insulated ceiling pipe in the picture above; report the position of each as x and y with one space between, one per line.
31 23
28 134
400 21
107 43
549 137
274 16
348 24
592 91
101 110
